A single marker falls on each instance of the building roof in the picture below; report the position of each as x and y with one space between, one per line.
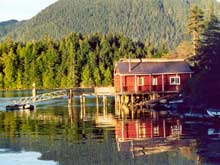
152 66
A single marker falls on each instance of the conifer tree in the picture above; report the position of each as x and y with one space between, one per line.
107 77
86 77
196 26
9 69
205 85
1 81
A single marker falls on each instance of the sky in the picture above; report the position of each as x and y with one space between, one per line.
21 9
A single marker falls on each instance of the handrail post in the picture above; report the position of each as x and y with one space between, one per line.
70 96
34 93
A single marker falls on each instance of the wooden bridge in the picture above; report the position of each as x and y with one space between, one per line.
62 93
41 97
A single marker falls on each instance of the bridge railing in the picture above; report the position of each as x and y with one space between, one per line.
41 97
104 90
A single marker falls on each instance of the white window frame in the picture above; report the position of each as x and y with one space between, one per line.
175 80
140 79
154 81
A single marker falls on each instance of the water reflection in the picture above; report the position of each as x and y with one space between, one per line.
22 158
208 140
150 136
95 135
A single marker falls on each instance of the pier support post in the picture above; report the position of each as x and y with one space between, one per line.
34 93
81 106
84 106
132 106
97 105
164 128
119 103
70 114
104 105
70 97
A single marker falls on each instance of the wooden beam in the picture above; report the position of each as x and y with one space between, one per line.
163 82
135 83
121 88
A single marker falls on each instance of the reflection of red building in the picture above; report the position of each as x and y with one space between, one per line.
147 129
151 137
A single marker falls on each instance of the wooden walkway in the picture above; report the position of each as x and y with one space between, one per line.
97 91
41 97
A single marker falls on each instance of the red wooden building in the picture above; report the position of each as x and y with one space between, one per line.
150 76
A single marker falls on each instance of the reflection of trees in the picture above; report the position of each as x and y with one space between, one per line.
208 141
56 122
60 135
56 125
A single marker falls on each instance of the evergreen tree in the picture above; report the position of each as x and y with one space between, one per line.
1 81
196 26
107 78
73 61
205 86
97 77
9 69
87 80
19 80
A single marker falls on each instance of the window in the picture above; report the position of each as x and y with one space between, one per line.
175 80
154 81
140 81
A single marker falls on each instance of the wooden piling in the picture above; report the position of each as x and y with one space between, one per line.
97 104
132 106
81 107
104 105
34 93
70 97
84 106
70 114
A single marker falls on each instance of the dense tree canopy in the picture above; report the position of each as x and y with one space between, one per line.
73 61
196 26
205 86
156 21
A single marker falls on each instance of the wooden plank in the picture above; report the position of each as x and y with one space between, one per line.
104 90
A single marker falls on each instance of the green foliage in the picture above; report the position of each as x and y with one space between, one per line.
196 26
155 21
86 76
206 83
7 26
72 61
107 77
9 69
1 81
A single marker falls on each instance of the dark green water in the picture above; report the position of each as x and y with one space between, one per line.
57 134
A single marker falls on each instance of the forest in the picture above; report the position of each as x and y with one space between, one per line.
76 60
7 26
154 21
88 60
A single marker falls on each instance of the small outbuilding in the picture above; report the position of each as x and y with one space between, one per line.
145 76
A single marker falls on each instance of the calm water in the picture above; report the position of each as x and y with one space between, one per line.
55 134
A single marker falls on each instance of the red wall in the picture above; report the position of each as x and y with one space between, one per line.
128 83
117 83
